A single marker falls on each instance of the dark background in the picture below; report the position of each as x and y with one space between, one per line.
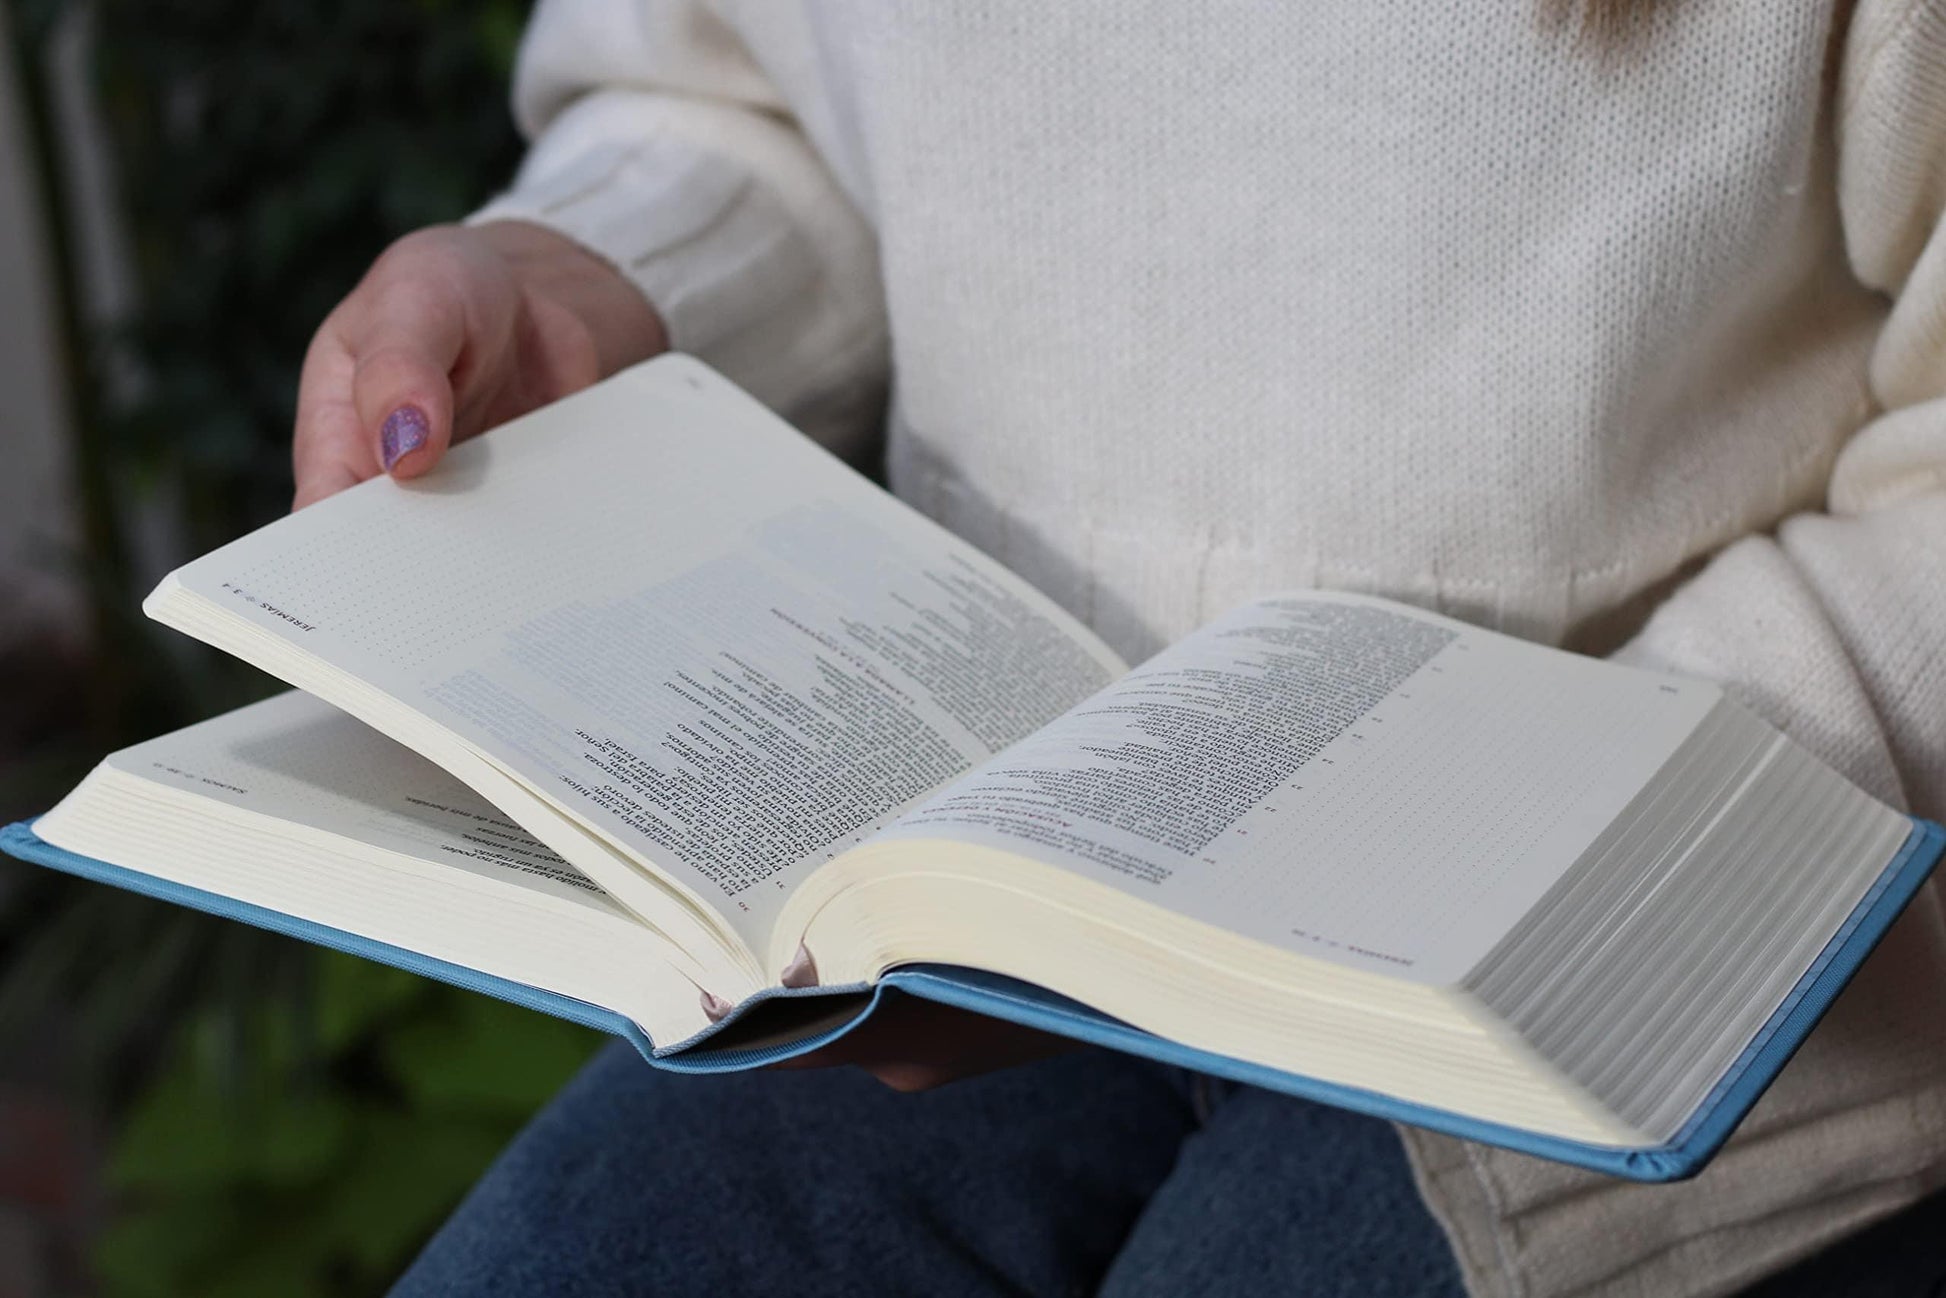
188 1106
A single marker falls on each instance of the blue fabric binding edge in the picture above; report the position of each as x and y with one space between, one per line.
1006 998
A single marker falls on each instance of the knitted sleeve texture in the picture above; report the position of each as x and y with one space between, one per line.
1835 626
658 143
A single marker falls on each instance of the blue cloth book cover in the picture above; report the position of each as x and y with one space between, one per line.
1682 1156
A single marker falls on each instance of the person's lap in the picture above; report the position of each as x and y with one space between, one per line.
1089 1173
1086 1173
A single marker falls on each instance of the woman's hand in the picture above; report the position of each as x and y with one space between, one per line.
453 330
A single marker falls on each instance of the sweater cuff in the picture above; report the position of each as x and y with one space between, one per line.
734 233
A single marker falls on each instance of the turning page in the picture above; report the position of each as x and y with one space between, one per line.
675 620
1339 777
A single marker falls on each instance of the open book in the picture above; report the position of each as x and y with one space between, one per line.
695 733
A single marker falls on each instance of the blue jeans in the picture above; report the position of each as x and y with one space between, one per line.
1088 1173
1091 1173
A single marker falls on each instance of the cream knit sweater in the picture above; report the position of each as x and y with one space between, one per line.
1182 303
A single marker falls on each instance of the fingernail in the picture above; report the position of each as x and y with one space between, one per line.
716 1007
405 431
802 971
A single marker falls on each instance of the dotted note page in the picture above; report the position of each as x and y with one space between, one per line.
1341 777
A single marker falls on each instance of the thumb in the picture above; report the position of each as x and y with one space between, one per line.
402 387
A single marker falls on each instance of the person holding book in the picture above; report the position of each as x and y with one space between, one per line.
1624 338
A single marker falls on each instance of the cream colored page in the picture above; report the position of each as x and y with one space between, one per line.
303 762
1343 778
679 620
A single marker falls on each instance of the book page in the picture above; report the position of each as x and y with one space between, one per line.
678 621
1340 777
301 761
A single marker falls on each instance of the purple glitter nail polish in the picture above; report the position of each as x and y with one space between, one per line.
405 431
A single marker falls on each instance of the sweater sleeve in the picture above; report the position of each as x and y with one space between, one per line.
658 143
1835 626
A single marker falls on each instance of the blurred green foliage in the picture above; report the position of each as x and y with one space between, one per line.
278 1171
290 1121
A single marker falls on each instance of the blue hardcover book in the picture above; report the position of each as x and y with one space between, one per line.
1680 1156
646 712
